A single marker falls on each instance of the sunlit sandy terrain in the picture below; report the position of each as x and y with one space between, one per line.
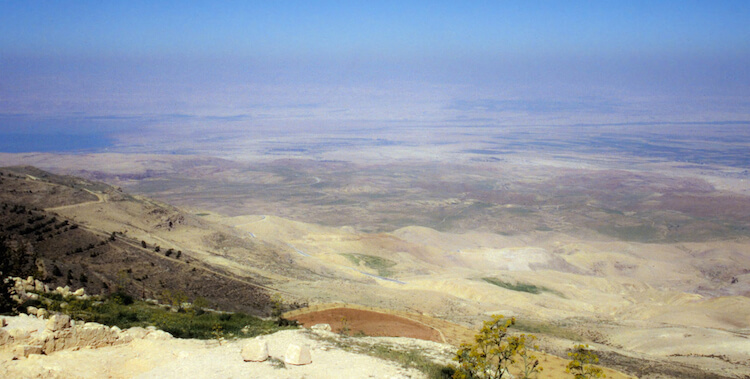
638 250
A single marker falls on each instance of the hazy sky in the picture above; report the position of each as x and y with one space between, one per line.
159 65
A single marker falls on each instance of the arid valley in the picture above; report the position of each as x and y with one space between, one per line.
636 243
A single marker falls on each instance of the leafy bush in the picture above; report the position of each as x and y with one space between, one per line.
121 297
581 364
494 352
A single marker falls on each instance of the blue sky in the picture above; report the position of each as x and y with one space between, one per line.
379 28
154 65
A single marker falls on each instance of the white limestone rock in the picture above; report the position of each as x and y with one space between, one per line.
58 322
23 351
297 355
45 340
256 350
42 313
157 335
323 327
5 337
32 310
38 286
134 333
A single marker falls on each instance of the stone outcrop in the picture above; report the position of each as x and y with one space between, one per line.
256 350
5 337
59 333
23 351
23 289
297 355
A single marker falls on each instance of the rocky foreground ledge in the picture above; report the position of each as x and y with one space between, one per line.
33 347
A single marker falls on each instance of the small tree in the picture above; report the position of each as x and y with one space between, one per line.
143 244
581 364
174 298
200 304
492 353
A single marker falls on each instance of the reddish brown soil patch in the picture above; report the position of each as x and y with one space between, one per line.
373 324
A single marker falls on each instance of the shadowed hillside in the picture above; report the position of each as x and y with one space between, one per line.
79 253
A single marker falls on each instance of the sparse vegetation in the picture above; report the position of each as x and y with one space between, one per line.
411 358
344 327
547 328
276 363
406 357
522 287
381 265
582 363
529 363
123 311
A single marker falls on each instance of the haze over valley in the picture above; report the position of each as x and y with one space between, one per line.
592 181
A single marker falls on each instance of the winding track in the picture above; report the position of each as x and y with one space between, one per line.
101 198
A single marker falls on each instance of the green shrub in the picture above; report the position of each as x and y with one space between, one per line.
381 265
121 297
119 309
522 287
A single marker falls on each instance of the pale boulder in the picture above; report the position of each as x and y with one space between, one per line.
65 291
297 355
133 333
323 327
42 313
23 351
255 350
58 322
32 310
38 286
158 335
